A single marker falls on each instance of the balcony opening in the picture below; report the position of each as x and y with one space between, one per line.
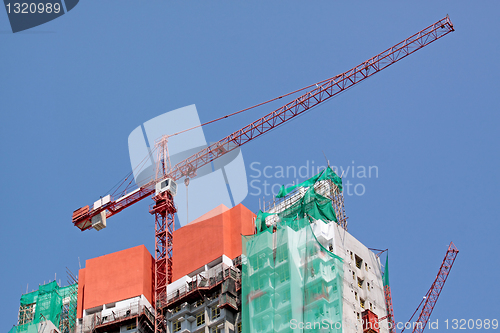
359 262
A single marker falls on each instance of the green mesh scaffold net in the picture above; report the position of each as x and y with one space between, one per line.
290 282
49 303
311 203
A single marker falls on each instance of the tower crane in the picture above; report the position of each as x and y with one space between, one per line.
431 297
162 188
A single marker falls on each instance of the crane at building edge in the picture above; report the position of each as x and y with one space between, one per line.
163 187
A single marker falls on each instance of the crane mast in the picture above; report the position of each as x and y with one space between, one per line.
390 309
164 209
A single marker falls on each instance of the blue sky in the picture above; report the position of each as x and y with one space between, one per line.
73 89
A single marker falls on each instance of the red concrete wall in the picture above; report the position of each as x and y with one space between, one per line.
81 293
115 277
199 243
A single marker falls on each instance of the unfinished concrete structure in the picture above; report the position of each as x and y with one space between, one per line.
115 293
204 296
116 290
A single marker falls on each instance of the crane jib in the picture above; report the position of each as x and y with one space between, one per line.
323 91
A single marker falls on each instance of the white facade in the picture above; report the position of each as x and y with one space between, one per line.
363 286
114 312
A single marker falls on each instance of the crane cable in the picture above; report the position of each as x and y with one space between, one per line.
418 307
124 179
251 107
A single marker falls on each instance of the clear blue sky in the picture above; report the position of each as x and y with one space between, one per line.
73 89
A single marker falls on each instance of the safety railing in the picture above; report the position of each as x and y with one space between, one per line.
108 317
203 281
226 299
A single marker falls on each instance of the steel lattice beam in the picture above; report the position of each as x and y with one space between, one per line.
324 90
164 212
433 294
390 309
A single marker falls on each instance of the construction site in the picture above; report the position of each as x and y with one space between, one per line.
292 266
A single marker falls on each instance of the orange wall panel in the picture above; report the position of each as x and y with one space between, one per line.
115 277
196 245
199 243
130 273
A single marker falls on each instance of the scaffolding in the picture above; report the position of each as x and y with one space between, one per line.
290 279
204 283
290 282
321 196
69 304
49 303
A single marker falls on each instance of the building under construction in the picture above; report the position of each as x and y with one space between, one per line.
295 264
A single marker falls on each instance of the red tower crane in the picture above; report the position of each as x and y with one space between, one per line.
163 187
431 297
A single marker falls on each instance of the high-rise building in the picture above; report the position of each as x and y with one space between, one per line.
205 293
292 267
303 270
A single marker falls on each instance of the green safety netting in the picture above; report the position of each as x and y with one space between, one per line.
386 270
290 282
311 203
49 303
327 173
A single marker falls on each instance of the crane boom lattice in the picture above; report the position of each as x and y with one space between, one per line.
390 309
324 90
433 294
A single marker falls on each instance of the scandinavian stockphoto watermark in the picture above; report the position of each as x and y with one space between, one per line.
223 181
266 180
448 324
27 14
326 325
